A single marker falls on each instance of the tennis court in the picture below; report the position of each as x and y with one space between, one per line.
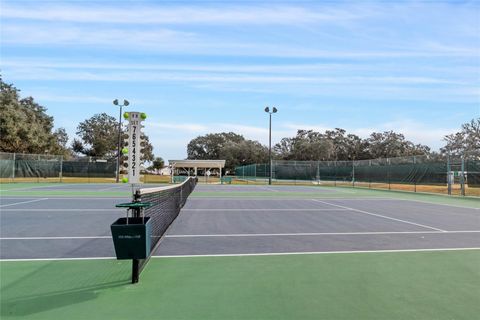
244 252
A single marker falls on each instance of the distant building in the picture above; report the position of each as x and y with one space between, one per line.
165 171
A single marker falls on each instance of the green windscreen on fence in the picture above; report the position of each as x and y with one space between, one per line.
419 170
89 169
18 165
473 173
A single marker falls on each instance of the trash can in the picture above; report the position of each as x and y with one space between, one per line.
132 237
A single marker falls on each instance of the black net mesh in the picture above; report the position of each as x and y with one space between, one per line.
166 204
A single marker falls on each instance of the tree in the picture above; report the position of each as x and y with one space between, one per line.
209 146
98 137
390 144
337 145
466 142
25 126
157 164
232 147
243 152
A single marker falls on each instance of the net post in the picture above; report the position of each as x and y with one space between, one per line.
135 270
136 262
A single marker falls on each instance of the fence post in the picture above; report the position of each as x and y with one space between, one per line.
369 174
61 168
13 168
415 176
265 171
462 177
37 171
449 180
353 173
388 174
335 173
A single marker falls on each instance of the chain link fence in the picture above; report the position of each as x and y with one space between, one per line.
436 174
17 167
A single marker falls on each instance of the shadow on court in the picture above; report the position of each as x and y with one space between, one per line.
37 286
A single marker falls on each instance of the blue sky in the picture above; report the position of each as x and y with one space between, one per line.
198 67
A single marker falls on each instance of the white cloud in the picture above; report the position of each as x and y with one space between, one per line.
182 127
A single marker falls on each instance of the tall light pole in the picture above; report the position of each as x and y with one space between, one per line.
125 103
267 110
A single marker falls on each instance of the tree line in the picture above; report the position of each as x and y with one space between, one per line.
25 127
331 145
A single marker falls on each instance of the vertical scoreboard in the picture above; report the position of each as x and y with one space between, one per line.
133 149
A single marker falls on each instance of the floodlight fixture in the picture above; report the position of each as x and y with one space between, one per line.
125 103
267 110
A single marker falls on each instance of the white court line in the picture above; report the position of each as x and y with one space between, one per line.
268 189
62 210
58 259
438 204
300 197
316 234
381 216
314 253
54 186
56 238
257 235
193 197
23 202
251 254
110 188
255 209
59 197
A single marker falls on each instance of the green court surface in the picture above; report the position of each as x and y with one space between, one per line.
380 285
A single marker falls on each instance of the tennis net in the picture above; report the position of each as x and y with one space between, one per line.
166 203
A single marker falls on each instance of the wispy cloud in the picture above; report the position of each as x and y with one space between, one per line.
114 38
181 15
244 77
